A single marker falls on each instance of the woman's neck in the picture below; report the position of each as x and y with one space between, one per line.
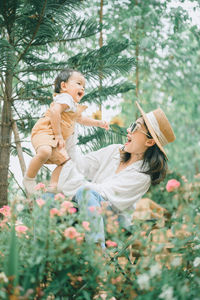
135 157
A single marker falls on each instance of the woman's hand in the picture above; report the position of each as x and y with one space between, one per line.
60 141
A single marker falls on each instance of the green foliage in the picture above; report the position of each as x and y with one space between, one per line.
162 36
154 259
160 194
99 94
96 138
11 265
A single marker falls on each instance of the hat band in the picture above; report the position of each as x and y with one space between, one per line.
154 123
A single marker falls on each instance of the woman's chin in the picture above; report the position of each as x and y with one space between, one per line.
126 147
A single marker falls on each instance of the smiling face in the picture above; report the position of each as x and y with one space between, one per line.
75 86
138 141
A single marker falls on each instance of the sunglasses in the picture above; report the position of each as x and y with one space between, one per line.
135 126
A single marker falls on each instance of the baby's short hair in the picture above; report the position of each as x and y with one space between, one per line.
63 76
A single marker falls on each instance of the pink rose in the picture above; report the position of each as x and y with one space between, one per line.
54 211
71 233
92 208
59 196
65 206
79 278
6 211
40 202
40 186
116 280
72 210
80 238
86 225
172 185
21 229
110 243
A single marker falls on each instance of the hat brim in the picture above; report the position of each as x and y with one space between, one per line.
150 129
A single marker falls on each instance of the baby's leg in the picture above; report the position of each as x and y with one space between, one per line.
60 157
54 179
43 154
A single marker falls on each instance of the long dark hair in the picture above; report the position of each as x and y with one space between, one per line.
155 159
157 162
63 76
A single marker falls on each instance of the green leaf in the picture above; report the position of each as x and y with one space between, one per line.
12 260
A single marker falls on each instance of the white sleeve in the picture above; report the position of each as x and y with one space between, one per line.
89 164
65 99
70 179
124 192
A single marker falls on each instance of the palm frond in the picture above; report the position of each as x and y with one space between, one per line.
99 95
26 122
32 89
7 57
96 138
104 61
75 30
24 149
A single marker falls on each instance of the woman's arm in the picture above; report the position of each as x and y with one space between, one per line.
121 191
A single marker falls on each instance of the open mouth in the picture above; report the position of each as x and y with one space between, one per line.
80 94
128 140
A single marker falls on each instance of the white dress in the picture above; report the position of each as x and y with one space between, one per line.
96 171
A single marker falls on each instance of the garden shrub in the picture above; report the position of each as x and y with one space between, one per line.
44 254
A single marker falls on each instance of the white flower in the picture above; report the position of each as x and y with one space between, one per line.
19 222
196 262
196 247
143 281
155 270
176 261
3 277
19 207
167 293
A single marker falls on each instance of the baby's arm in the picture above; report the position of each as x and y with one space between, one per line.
55 118
92 122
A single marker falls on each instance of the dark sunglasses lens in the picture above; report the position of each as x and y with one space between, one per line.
132 126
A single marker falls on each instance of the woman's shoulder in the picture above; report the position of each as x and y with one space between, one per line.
106 152
114 148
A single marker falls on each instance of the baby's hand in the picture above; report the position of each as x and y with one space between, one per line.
60 141
104 124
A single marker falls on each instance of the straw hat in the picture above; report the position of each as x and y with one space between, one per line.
158 126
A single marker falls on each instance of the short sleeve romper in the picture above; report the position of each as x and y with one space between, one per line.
42 132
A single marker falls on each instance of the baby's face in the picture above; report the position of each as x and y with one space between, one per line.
75 86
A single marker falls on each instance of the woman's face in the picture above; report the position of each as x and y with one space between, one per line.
137 141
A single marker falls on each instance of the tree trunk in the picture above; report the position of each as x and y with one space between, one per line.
100 45
5 139
137 70
19 147
137 64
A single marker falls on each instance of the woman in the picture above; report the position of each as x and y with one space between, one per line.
119 174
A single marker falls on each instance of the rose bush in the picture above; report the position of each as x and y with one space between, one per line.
44 254
172 185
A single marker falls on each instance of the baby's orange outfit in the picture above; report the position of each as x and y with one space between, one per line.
42 132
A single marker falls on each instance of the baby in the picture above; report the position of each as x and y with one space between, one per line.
50 132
